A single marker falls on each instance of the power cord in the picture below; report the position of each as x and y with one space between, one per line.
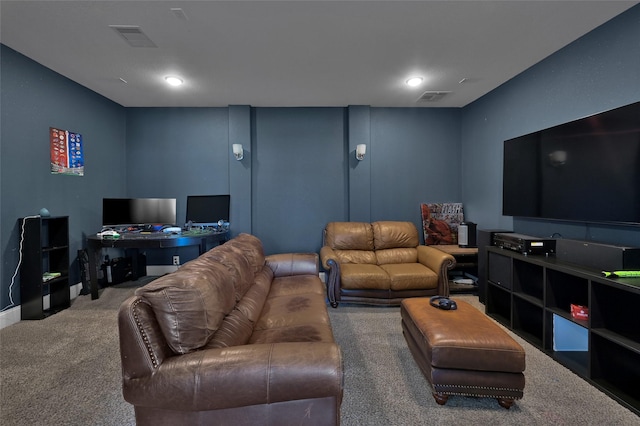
15 273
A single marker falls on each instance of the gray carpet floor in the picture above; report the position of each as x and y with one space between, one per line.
384 386
65 370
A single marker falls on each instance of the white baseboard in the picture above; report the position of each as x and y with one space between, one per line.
12 316
9 317
74 290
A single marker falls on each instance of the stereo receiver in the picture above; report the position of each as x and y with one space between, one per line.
524 244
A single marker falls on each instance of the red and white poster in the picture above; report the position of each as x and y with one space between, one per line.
67 156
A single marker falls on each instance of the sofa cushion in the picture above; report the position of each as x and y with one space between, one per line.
391 234
251 248
284 312
190 304
252 303
356 256
410 276
237 327
363 276
241 272
297 285
295 311
397 255
235 330
349 236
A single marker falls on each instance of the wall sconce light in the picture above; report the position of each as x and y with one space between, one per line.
558 158
238 151
361 150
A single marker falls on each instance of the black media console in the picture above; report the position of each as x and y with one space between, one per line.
532 296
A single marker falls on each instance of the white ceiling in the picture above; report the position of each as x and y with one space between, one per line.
297 53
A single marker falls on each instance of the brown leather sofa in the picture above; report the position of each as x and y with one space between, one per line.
232 338
381 263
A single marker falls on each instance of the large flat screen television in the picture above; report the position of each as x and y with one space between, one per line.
207 210
138 211
587 170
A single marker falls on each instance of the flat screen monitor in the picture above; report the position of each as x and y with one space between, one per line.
207 210
138 211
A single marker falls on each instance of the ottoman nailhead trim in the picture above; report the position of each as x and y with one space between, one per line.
477 387
477 395
145 338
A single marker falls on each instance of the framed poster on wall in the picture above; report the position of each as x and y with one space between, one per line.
67 156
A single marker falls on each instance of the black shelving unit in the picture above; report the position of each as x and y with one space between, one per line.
532 295
45 248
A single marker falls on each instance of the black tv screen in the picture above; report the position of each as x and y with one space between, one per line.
207 210
586 170
138 211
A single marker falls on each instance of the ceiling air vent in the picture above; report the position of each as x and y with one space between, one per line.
133 35
432 96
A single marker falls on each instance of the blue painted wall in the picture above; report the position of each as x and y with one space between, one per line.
34 99
298 181
414 159
176 151
173 153
598 72
299 170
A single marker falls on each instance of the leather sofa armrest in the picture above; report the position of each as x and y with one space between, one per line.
240 376
142 344
440 263
328 257
332 267
287 264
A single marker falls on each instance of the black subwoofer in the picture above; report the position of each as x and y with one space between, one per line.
485 237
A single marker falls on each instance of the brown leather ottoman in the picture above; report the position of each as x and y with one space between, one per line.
463 352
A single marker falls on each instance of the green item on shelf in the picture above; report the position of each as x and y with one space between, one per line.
621 274
48 276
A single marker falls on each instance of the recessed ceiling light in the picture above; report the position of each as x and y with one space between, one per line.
174 81
414 81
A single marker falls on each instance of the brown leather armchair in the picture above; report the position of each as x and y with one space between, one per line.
381 263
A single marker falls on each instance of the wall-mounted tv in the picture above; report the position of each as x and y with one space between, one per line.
138 211
587 170
207 210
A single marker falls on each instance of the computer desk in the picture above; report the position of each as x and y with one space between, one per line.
136 241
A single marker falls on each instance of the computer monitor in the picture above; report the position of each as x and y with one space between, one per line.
138 211
207 210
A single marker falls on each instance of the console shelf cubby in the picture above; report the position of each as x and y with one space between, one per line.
532 295
564 289
616 370
499 305
528 280
528 320
45 250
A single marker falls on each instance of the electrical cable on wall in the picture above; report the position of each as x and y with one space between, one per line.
15 273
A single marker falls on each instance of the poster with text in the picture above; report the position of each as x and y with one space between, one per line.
67 157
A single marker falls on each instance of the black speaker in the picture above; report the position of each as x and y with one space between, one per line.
485 237
467 234
605 257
